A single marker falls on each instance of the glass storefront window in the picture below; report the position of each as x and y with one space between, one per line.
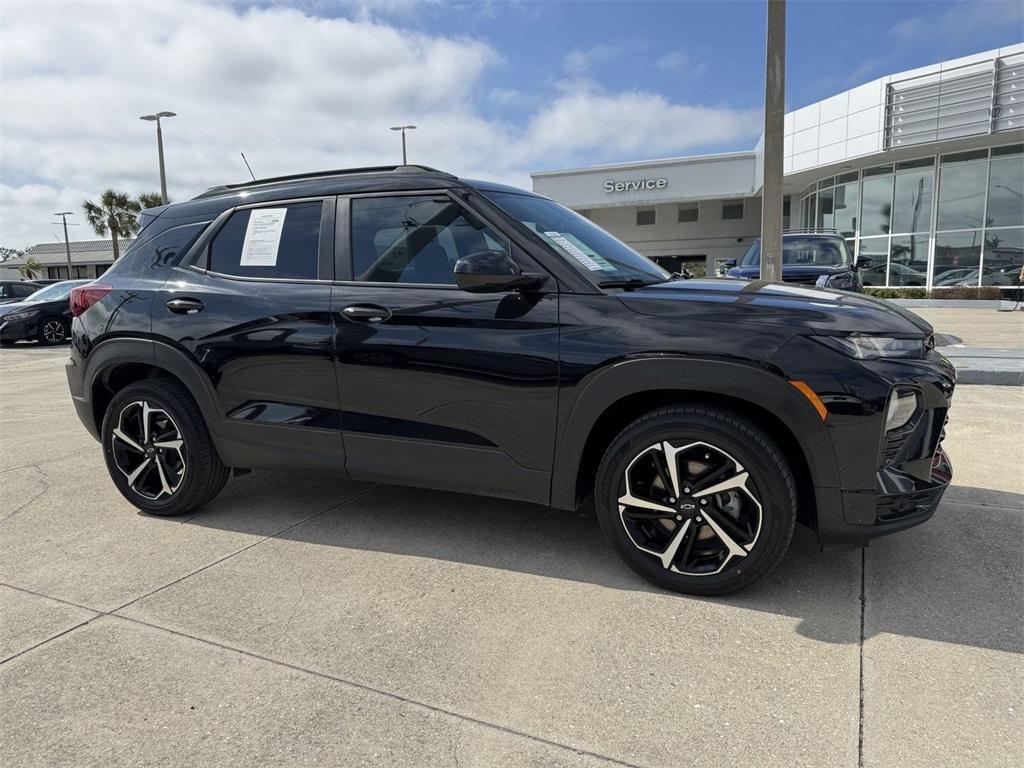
1004 256
1006 188
908 260
962 190
826 198
877 250
957 255
845 206
912 202
876 207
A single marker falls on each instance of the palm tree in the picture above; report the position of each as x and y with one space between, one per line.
150 200
115 214
30 267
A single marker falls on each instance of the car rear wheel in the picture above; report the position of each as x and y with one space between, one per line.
696 499
158 450
52 330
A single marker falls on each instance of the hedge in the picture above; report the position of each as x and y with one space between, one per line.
986 292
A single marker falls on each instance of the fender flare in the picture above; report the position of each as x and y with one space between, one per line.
112 352
741 381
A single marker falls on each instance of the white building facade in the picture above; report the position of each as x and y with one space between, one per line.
921 171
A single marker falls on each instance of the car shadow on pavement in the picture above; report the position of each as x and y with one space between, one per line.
955 579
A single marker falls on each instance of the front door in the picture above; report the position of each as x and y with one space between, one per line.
441 388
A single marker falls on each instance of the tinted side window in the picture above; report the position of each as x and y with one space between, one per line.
24 290
415 239
282 242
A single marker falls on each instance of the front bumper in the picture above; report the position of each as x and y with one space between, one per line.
17 330
885 481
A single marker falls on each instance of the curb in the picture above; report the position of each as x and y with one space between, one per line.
991 378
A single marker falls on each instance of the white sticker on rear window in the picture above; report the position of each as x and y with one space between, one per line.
580 251
263 237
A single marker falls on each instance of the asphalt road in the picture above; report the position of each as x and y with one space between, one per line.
303 621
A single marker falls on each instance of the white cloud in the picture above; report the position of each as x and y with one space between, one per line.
295 92
579 60
962 19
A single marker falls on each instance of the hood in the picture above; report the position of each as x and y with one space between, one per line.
778 304
17 306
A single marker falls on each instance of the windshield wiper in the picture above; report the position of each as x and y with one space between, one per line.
630 285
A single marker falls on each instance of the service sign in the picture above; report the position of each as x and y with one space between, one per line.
635 185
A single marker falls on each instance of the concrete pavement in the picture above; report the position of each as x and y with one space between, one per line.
302 621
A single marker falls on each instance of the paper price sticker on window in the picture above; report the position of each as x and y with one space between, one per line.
263 237
575 248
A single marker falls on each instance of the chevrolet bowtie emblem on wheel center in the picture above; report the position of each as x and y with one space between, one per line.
687 506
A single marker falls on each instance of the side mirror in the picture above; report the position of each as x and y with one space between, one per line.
492 272
729 263
862 262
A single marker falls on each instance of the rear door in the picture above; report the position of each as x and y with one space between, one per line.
440 388
251 309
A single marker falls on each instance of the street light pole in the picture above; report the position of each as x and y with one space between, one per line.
403 129
67 243
774 129
160 149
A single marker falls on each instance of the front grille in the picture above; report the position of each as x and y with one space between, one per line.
800 279
895 441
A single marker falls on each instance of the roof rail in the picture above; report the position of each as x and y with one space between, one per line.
410 169
811 231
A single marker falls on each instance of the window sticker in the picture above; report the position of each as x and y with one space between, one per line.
262 237
580 251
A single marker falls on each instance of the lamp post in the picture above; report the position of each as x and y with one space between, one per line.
160 149
67 243
403 129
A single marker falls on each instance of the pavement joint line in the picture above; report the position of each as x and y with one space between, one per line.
37 463
246 548
381 692
860 664
295 667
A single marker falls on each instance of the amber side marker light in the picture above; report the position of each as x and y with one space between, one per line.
812 397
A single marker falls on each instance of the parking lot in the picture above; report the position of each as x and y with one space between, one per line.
301 620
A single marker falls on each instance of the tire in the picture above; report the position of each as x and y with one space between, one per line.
177 469
710 544
53 330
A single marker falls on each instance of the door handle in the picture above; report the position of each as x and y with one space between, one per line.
366 313
185 306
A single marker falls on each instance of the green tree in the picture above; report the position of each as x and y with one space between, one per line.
150 200
9 253
30 268
115 213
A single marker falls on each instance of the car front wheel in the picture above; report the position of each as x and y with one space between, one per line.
696 499
158 450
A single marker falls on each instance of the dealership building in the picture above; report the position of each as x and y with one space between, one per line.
920 171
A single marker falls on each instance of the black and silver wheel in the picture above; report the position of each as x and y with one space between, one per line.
696 499
52 330
158 450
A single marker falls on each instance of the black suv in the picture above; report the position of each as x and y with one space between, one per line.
403 325
820 259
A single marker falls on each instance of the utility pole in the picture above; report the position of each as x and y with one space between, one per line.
403 129
774 127
67 243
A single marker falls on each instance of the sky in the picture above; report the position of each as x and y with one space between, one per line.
497 89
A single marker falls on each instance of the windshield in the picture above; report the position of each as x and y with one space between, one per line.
580 241
804 251
54 292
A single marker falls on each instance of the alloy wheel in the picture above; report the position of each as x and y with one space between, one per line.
148 450
53 331
693 507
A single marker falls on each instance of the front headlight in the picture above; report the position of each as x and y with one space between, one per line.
15 317
842 281
874 347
